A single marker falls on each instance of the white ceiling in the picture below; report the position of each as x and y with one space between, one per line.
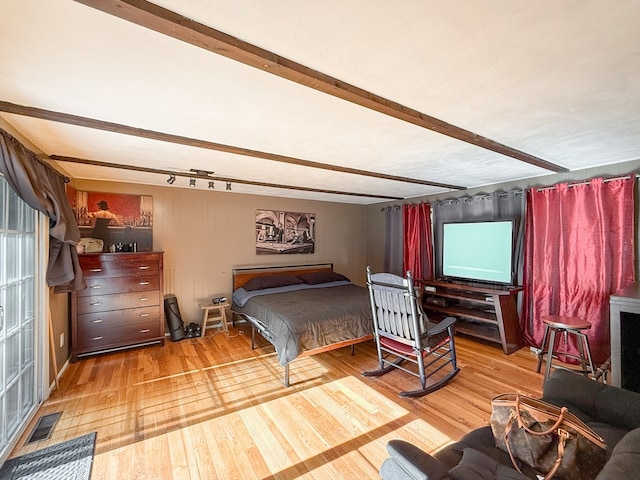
559 80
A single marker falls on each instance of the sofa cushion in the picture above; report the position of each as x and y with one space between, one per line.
619 407
408 461
480 439
476 465
625 458
611 435
593 401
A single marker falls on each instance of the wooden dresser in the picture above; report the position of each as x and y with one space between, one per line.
121 306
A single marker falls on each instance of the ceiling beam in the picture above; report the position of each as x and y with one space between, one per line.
134 168
169 23
194 142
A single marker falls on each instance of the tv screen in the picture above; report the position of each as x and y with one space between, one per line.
480 251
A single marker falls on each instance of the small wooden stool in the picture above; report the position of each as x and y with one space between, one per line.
220 316
565 325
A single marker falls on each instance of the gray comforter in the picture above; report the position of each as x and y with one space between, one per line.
307 319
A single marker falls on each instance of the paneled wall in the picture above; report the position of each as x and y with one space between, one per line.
205 234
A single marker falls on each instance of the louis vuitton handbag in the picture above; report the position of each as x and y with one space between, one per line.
550 439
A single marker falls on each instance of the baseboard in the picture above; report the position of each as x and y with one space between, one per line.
60 372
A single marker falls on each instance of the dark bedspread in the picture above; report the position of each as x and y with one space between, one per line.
308 319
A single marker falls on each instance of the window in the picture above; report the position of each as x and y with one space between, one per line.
19 385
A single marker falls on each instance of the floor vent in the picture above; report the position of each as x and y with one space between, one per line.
44 427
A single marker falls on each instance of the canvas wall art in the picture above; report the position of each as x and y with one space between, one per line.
123 222
284 232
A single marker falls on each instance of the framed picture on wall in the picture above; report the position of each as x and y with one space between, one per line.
123 222
284 232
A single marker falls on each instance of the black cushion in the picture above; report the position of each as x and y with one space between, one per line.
408 461
593 401
610 434
476 465
315 278
625 459
480 439
271 281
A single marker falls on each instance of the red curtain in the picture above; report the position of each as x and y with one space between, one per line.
579 249
418 248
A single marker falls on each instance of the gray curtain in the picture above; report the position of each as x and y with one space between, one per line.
42 188
495 206
393 241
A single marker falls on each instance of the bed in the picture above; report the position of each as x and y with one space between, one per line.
302 310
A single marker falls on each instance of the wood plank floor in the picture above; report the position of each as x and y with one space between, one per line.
210 408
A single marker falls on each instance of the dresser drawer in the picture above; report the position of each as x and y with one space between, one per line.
117 319
117 301
94 268
106 286
109 333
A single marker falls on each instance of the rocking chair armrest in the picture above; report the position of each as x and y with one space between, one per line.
441 326
411 463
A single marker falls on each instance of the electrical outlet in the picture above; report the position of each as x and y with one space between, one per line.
62 340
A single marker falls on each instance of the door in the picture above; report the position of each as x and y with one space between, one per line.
18 341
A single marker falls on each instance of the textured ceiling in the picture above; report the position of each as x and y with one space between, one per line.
557 80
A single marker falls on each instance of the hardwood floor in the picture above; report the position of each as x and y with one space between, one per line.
210 408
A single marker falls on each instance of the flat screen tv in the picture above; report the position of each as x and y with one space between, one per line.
479 251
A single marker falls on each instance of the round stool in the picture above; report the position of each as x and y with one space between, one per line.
566 326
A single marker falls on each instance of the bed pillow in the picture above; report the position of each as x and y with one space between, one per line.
314 278
271 281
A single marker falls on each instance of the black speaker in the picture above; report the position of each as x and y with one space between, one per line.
174 319
440 302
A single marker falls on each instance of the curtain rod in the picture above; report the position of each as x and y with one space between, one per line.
466 198
33 154
588 182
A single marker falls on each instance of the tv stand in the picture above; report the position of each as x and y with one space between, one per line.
483 311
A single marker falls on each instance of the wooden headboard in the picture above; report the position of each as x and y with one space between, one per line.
242 275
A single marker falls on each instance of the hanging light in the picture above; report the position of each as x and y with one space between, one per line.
211 184
229 186
171 179
192 182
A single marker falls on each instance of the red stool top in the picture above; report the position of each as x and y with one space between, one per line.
562 321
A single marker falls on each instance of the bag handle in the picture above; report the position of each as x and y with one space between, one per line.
551 429
507 429
563 436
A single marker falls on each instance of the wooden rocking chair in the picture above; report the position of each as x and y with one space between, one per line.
403 334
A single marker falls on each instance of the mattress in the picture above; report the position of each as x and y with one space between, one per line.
310 318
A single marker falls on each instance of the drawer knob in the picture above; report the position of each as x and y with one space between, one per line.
95 286
143 267
97 338
95 269
145 314
144 299
97 321
95 304
145 330
144 283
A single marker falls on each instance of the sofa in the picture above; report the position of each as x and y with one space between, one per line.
613 413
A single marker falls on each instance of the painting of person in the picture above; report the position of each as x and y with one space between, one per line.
279 233
306 236
100 221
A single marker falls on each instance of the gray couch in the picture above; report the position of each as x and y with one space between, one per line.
612 412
